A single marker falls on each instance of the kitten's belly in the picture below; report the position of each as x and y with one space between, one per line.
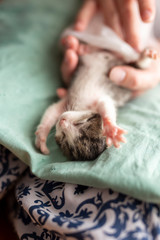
91 81
119 94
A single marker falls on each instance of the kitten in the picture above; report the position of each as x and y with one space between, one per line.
86 117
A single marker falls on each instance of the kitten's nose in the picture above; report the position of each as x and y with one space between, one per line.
63 123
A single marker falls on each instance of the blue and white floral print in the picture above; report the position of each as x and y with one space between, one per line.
49 210
77 212
10 169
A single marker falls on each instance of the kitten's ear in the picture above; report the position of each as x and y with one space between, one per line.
97 118
102 145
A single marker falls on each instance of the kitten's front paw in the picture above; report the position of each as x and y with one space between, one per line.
40 141
113 133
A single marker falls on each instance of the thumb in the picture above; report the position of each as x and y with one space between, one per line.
132 78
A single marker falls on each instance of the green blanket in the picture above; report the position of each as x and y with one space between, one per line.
29 75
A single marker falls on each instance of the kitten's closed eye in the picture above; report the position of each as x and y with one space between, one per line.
86 119
94 116
78 123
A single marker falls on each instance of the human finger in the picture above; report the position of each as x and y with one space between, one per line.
130 20
135 79
85 14
147 10
70 42
111 15
69 64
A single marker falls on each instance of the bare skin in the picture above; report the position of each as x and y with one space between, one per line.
115 13
136 80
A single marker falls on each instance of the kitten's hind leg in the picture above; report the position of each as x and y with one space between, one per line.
151 53
69 65
49 119
147 57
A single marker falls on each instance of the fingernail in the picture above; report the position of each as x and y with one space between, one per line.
117 75
147 15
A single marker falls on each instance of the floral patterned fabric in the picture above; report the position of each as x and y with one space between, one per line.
10 169
60 211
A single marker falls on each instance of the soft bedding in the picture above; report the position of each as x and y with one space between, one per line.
29 76
63 206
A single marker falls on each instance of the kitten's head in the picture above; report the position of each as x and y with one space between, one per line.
79 135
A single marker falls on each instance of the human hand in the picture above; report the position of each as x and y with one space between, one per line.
134 79
72 50
123 16
137 80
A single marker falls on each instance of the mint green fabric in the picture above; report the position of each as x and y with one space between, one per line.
29 75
